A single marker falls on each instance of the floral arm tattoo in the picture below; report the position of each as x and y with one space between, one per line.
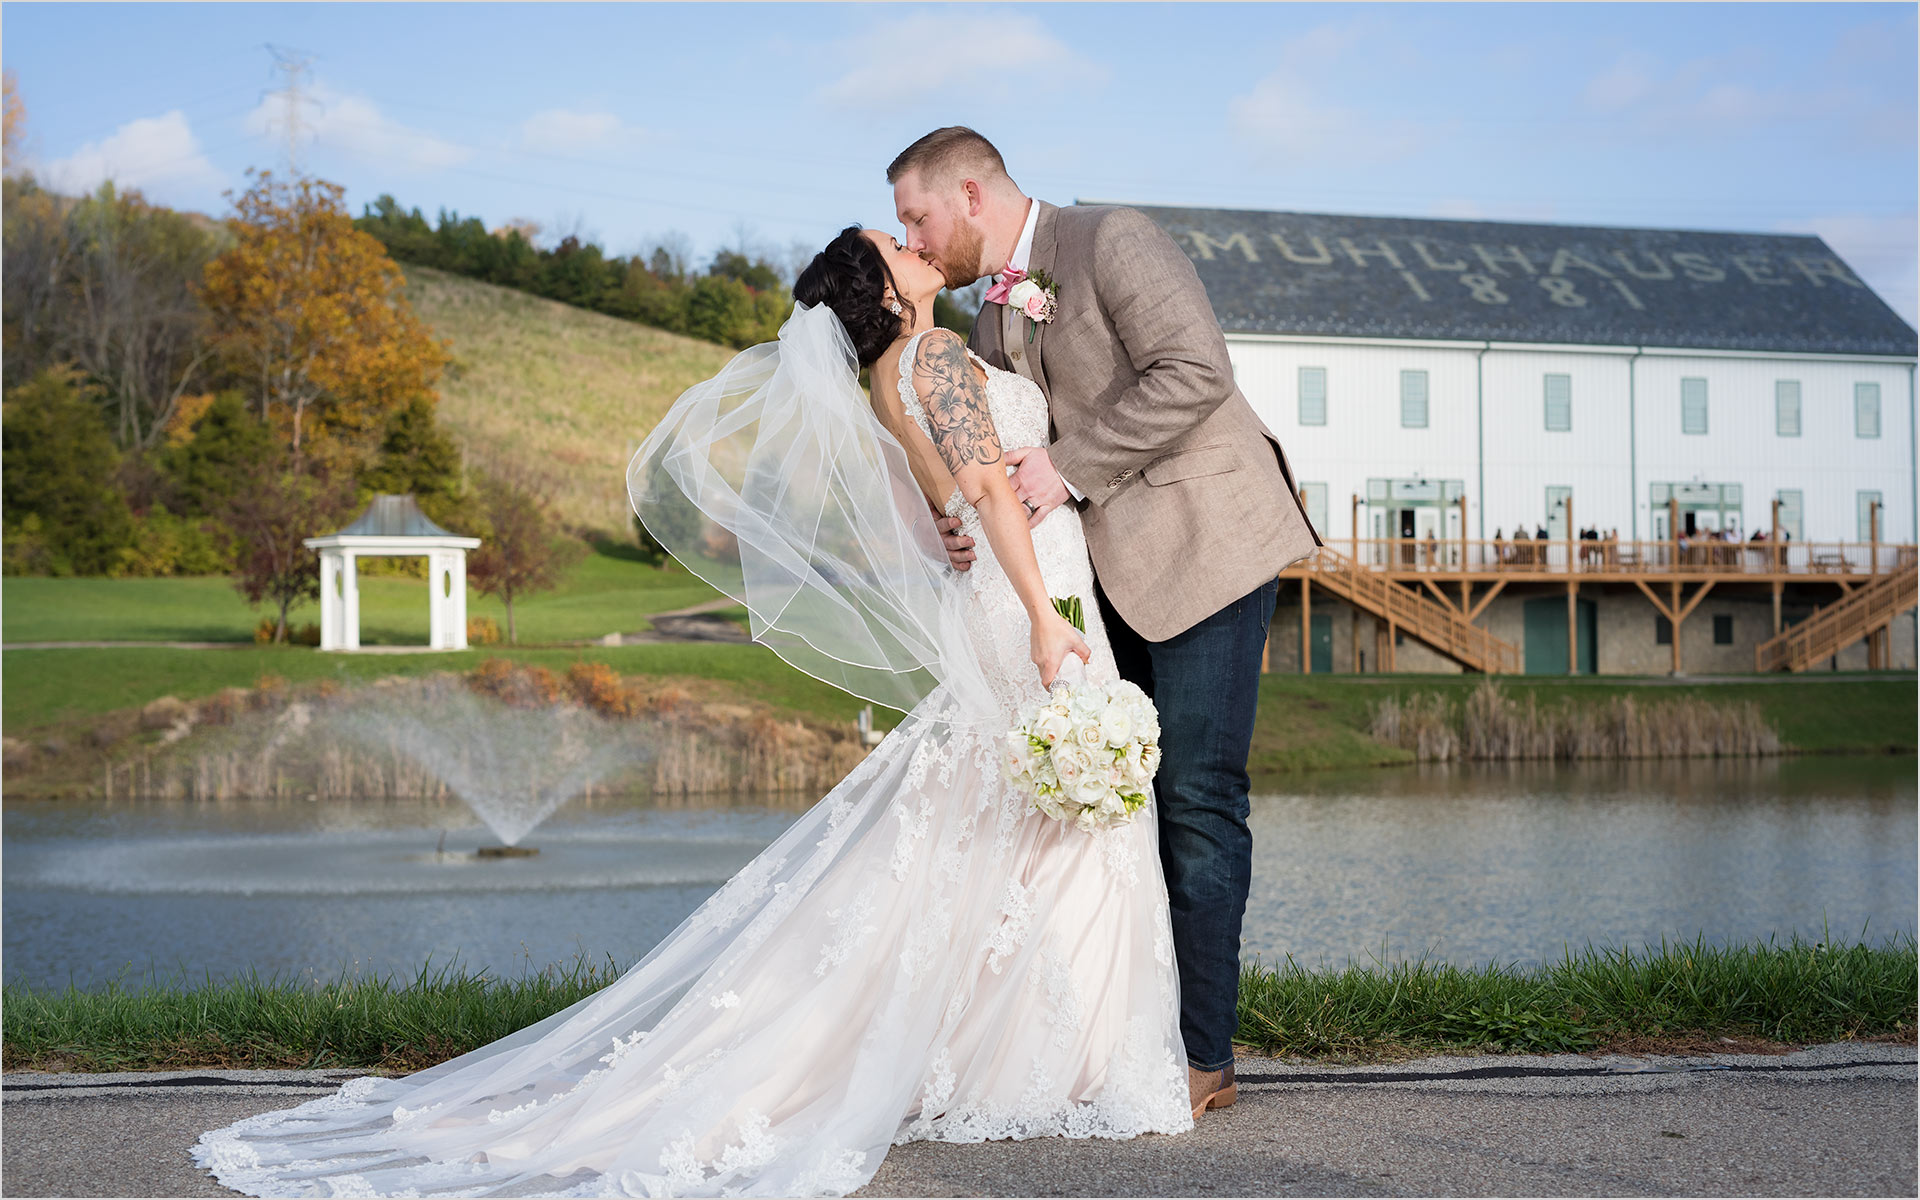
956 405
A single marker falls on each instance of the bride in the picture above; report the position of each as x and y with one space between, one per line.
923 955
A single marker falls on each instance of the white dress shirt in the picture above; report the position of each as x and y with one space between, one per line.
1022 254
1023 249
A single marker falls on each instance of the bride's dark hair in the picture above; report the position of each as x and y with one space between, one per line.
851 278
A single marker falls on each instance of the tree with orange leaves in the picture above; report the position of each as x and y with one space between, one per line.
13 120
308 311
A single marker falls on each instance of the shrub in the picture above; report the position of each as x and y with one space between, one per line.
164 544
600 688
483 631
304 635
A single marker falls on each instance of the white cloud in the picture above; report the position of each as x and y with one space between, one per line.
1624 84
140 154
913 58
1883 251
1291 114
355 125
1737 93
564 129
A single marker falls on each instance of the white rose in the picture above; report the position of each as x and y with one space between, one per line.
1087 821
1091 789
1089 735
1053 727
1116 726
1018 296
1051 806
1150 759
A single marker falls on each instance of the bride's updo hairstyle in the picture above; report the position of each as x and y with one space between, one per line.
851 278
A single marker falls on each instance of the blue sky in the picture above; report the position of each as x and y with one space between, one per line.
772 124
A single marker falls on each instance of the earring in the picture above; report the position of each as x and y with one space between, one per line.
894 305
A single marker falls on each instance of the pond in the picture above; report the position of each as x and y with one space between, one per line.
1467 863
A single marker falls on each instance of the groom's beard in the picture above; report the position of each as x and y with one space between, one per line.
961 263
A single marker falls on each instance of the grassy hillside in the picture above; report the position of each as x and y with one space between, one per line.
570 391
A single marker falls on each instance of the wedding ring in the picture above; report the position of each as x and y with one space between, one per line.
1030 508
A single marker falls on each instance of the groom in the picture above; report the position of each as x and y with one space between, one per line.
1189 506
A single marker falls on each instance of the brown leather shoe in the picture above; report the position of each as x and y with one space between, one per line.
1210 1089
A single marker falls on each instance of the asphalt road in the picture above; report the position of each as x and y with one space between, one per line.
1834 1120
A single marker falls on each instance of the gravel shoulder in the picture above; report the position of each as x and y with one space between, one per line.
1829 1120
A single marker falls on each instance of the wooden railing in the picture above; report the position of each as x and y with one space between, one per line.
1435 624
1696 557
1865 611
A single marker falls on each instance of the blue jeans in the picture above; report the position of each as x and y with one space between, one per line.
1206 684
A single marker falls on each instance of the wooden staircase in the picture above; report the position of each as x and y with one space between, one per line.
1438 625
1865 611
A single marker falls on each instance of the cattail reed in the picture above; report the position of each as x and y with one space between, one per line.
1492 725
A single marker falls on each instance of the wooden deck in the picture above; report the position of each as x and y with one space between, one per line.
1413 562
1436 590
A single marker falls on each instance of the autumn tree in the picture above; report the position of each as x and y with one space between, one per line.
13 121
310 312
520 552
107 282
271 512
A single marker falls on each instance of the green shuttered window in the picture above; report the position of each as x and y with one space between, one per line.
1866 502
1313 396
1693 406
1790 506
1866 410
1786 407
1315 496
1559 403
1413 399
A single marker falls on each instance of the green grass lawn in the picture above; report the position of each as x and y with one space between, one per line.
52 687
1305 722
604 593
1311 722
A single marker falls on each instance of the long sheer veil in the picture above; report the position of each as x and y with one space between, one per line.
775 482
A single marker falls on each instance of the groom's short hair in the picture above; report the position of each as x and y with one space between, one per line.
947 154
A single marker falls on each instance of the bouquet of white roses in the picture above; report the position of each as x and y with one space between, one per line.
1088 753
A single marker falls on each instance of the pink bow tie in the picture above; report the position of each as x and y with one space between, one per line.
997 294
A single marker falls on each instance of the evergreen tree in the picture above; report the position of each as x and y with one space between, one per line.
228 441
62 513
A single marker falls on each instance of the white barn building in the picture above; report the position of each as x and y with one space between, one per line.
1627 374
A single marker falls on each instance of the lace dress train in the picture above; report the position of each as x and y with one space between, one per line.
920 956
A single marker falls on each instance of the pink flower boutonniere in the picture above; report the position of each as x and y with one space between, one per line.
1036 298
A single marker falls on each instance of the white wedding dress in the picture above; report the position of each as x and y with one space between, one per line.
921 956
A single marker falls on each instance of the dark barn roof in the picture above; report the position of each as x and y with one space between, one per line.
1305 273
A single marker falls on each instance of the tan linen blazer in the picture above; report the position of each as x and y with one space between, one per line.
1190 501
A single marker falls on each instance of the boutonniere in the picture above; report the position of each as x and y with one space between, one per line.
1037 298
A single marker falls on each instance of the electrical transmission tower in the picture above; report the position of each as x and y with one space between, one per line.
293 67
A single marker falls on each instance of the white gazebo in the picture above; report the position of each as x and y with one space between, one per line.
393 525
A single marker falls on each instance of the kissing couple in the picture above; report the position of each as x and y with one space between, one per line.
925 954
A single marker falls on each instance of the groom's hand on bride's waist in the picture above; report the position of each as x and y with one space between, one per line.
959 545
1036 483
